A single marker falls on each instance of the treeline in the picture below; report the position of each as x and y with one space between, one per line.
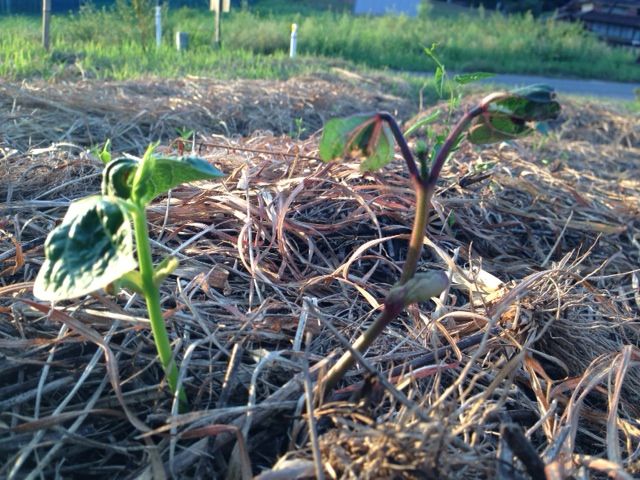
63 6
535 6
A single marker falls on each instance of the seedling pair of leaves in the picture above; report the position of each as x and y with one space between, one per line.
93 247
505 116
498 117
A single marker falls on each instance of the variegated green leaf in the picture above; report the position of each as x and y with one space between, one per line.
92 248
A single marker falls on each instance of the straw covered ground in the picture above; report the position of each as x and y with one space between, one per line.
529 362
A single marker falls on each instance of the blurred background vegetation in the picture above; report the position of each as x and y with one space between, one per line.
117 41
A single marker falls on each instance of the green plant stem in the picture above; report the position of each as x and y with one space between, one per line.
152 297
424 188
423 201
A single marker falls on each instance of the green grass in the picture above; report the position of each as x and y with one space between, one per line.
255 44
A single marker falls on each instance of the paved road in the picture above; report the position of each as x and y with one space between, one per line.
587 88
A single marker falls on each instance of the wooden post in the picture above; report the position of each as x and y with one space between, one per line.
46 20
219 6
218 35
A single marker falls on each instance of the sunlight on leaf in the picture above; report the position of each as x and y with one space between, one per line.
104 154
158 175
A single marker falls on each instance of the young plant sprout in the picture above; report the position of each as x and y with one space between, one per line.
93 248
498 117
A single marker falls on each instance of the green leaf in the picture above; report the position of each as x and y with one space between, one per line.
104 154
185 133
337 133
92 248
117 177
431 53
451 219
131 281
158 175
533 103
465 78
512 115
421 287
367 136
432 117
492 128
439 141
380 152
164 269
539 92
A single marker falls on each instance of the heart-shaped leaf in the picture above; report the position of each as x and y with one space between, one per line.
158 175
90 249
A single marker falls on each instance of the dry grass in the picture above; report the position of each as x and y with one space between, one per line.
538 334
89 112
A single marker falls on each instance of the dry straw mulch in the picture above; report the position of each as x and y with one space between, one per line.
89 112
533 351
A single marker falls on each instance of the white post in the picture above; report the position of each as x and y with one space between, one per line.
294 40
182 41
158 25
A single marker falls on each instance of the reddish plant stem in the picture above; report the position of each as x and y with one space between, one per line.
424 188
402 143
450 142
346 361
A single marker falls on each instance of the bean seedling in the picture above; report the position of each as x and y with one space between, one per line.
498 117
93 247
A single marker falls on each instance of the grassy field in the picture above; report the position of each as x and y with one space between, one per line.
113 44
